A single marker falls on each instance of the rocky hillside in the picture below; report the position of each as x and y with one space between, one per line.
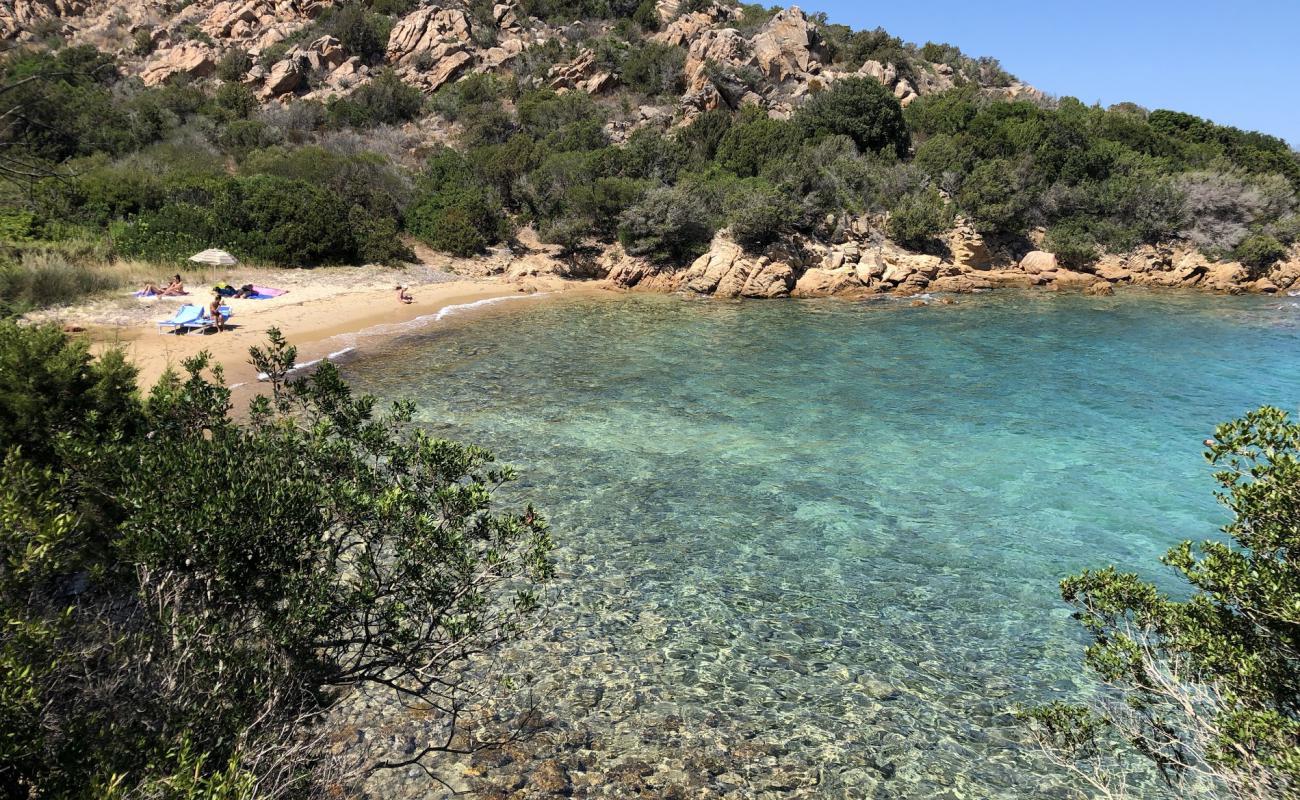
680 144
773 66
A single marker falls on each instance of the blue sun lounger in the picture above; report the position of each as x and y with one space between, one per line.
204 322
185 315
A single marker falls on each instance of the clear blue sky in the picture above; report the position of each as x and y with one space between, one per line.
1233 62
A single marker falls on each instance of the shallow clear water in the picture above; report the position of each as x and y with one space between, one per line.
813 547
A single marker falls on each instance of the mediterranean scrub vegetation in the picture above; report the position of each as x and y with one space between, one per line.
185 596
1204 685
99 162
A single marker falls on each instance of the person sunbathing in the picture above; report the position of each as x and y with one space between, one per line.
175 287
404 296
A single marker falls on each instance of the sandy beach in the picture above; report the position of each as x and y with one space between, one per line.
325 313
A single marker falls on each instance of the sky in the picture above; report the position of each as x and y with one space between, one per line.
1232 62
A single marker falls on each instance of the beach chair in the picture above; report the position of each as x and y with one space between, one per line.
204 322
184 316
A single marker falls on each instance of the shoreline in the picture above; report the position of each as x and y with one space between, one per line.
329 319
322 325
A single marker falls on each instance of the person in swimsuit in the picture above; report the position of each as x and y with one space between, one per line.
403 296
214 311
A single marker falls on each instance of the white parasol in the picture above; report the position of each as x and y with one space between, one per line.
217 258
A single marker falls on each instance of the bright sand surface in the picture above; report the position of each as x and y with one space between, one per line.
325 313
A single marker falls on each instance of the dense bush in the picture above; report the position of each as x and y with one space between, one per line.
861 109
666 225
264 218
919 219
234 65
1259 252
754 141
452 211
758 213
361 31
386 100
654 69
159 640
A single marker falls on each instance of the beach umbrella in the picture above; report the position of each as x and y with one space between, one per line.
215 257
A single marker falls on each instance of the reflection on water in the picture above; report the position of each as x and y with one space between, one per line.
812 548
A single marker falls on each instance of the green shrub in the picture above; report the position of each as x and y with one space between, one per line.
264 218
142 42
1074 244
285 222
50 386
158 640
654 69
949 112
453 211
704 135
647 15
234 65
377 239
386 100
919 219
392 8
173 233
994 196
244 135
467 96
360 31
942 53
758 213
665 226
234 101
754 141
1259 252
460 221
861 109
17 225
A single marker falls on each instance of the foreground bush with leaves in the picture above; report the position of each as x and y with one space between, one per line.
1206 688
185 595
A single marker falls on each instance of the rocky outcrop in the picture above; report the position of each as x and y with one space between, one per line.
582 73
727 271
22 15
788 46
1037 261
968 248
425 31
431 46
191 58
866 266
285 77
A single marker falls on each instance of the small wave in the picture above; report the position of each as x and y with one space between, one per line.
262 376
402 327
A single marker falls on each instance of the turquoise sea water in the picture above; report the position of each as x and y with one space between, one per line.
813 547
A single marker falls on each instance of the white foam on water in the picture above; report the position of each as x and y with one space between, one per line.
402 327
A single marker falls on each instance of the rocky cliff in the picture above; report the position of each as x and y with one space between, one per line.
774 67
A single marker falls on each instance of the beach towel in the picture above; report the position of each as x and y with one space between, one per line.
148 293
266 293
